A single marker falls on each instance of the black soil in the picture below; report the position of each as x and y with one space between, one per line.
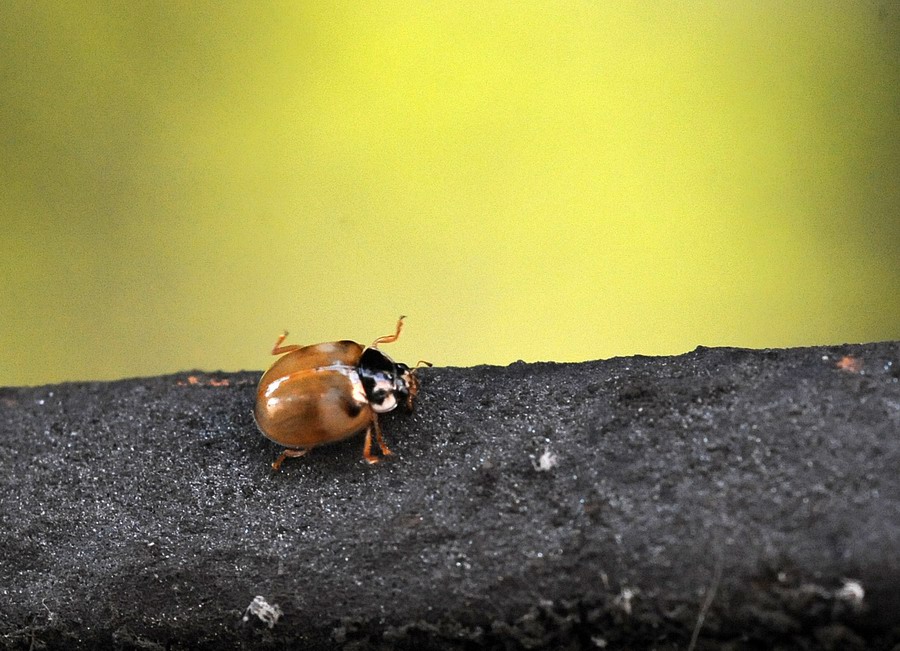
745 499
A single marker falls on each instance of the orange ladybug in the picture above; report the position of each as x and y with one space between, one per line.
327 392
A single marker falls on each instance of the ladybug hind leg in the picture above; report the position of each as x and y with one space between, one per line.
289 452
278 349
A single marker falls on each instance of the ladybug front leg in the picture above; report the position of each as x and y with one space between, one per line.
367 449
385 451
387 339
289 452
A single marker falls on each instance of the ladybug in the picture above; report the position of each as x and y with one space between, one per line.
327 392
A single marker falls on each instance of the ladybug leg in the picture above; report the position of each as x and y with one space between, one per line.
387 339
367 449
289 452
385 451
278 349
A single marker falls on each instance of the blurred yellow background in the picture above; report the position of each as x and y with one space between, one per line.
562 181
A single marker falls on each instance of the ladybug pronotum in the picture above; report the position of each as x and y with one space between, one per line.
323 393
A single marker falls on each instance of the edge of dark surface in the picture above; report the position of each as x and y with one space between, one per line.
779 602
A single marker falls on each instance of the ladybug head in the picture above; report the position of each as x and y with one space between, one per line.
387 383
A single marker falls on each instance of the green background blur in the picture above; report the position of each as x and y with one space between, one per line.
542 181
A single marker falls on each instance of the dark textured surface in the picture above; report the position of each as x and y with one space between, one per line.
143 513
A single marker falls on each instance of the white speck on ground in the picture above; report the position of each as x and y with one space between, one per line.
623 600
546 461
267 614
852 592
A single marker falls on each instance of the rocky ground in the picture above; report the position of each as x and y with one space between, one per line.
743 499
